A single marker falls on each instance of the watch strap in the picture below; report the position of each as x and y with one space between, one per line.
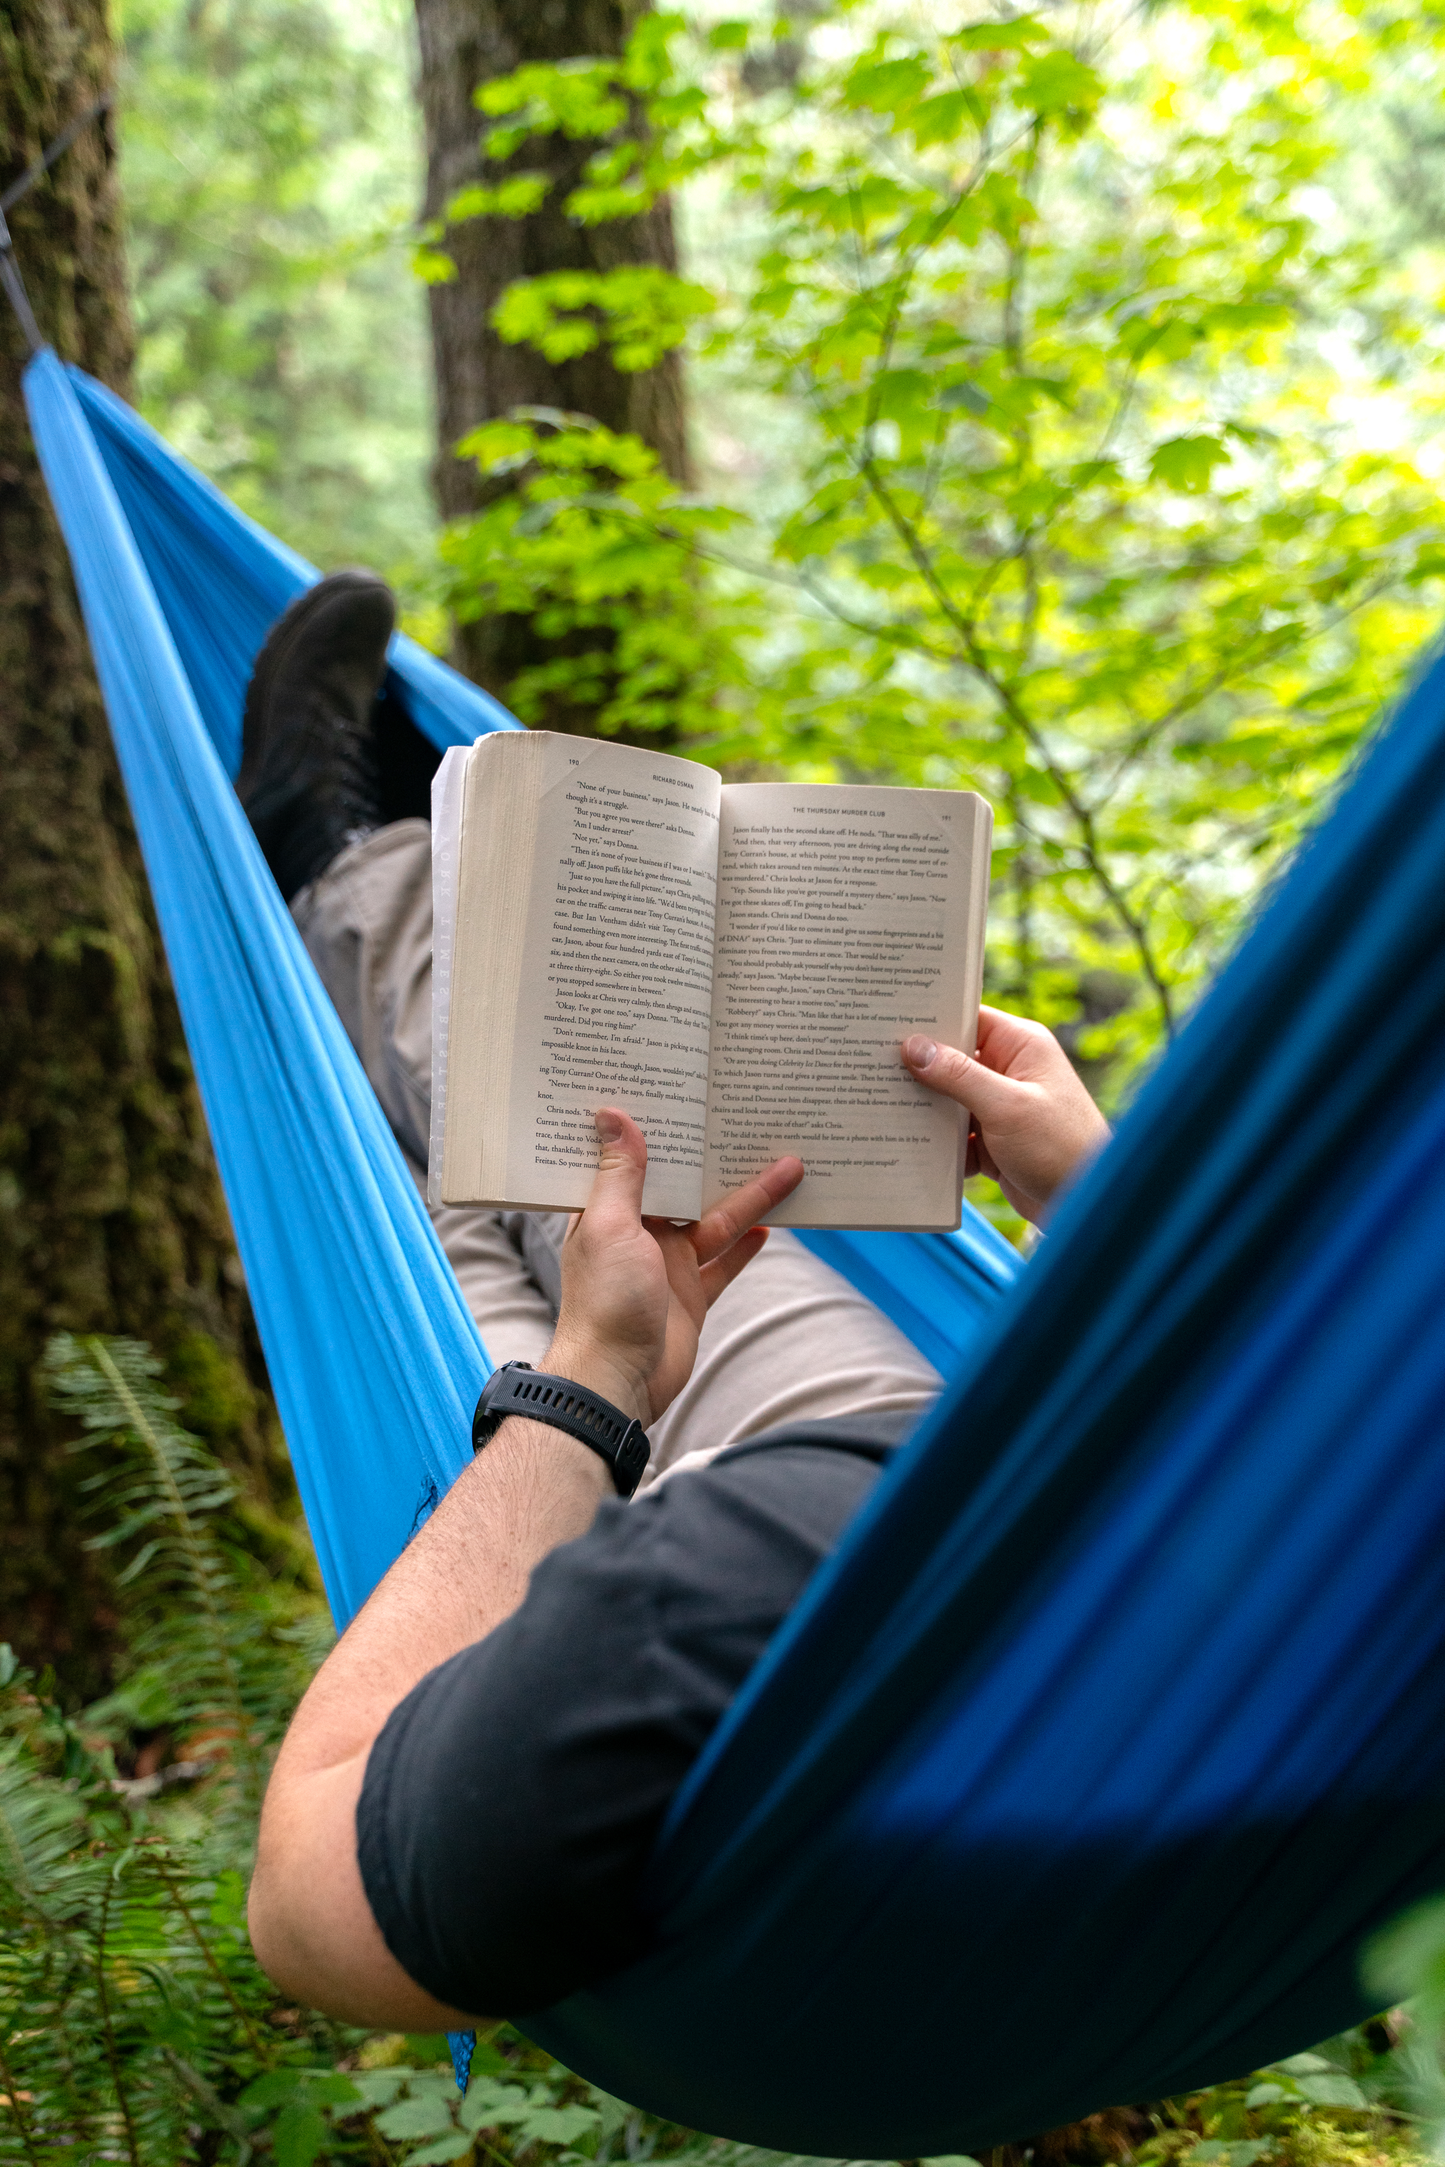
518 1389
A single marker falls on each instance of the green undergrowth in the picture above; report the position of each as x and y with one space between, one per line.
135 2024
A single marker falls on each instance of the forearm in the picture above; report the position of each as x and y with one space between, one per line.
462 1573
638 1294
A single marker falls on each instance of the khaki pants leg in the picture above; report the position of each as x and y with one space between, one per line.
366 924
789 1341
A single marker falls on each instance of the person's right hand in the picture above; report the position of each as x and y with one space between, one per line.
1034 1124
634 1290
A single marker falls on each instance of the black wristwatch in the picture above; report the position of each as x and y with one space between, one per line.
518 1389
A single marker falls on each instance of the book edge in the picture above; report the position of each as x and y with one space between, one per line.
446 803
493 964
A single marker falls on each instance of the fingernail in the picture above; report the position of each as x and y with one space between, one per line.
918 1052
609 1125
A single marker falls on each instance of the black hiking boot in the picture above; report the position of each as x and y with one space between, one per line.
406 760
311 779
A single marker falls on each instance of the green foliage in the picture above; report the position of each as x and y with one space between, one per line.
202 1666
573 538
1343 2104
638 311
272 171
132 2013
1407 1962
1064 343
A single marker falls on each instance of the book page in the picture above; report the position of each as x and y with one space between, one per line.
847 918
597 879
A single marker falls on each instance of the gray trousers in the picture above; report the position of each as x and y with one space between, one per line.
790 1340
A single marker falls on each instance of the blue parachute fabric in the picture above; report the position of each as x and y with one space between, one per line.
221 581
939 1289
179 589
375 1362
1117 1721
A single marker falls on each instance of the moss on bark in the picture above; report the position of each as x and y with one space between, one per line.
111 1216
478 375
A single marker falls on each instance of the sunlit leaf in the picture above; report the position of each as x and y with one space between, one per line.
1187 462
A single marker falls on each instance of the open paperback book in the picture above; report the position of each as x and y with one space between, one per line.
734 964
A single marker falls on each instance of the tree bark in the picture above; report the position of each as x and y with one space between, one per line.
111 1215
478 377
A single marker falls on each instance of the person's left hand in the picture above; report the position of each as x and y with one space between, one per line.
634 1290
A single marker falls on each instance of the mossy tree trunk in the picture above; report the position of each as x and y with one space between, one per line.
478 376
111 1216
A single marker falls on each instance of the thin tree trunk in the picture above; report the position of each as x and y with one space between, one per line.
478 377
111 1217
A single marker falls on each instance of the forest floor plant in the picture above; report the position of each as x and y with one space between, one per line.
135 2024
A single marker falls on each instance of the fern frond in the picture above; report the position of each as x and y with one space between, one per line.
161 1490
130 1999
40 1821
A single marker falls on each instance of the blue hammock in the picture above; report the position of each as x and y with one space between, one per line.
1117 1721
374 1360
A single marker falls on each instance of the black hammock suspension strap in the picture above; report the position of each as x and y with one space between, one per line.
10 278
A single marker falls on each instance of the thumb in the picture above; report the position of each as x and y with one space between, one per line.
991 1098
621 1167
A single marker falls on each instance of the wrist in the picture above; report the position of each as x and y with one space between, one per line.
600 1369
